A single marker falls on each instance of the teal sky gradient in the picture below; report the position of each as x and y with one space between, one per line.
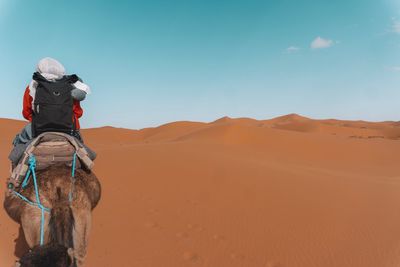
152 62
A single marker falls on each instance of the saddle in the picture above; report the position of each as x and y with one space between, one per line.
48 149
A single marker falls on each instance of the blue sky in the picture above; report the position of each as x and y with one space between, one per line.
152 62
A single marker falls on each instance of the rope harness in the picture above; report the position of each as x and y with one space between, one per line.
32 173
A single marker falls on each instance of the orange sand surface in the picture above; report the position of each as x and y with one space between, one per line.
285 192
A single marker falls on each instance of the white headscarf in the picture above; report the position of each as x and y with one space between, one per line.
50 68
53 70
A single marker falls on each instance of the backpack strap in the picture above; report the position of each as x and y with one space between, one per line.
38 77
67 78
72 78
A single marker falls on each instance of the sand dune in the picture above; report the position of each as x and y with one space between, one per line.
287 192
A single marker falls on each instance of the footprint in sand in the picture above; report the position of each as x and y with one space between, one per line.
152 225
153 211
194 227
192 202
219 238
190 256
273 264
182 235
237 256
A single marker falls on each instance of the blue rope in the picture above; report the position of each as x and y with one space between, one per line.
73 165
28 201
32 166
26 180
38 203
70 195
32 162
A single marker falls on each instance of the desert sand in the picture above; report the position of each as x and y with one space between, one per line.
285 192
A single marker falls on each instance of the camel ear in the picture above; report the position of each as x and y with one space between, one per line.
70 252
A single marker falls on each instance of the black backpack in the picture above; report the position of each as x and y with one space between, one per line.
53 105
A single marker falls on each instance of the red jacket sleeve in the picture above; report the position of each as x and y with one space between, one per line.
27 105
78 111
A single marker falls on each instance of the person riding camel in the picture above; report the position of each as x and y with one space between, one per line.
50 72
51 103
51 189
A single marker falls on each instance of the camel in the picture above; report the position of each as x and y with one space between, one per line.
66 225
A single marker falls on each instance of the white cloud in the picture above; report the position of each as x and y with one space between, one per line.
396 26
320 42
292 49
395 68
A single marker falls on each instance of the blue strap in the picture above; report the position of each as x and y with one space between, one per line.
71 191
73 165
26 180
31 170
42 226
32 162
32 165
28 201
